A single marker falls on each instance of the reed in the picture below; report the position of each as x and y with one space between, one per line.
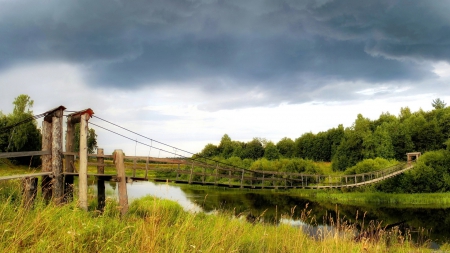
155 225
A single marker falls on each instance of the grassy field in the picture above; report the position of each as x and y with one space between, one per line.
154 225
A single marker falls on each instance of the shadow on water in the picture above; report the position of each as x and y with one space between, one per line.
279 207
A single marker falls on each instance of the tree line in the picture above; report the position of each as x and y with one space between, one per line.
389 137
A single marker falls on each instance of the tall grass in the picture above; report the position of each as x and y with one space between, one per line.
155 225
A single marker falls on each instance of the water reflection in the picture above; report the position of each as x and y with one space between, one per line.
164 191
276 208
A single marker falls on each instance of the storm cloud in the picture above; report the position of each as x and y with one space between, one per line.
279 51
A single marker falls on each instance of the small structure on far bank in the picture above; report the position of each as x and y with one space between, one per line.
413 156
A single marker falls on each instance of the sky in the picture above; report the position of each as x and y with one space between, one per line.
186 72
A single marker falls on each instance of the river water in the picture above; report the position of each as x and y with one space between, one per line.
283 207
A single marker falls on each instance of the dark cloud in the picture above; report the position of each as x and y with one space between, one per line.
286 48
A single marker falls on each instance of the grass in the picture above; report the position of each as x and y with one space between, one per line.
155 225
401 200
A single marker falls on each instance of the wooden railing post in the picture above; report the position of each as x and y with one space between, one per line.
242 179
134 166
120 167
57 150
46 183
146 168
192 171
217 172
29 190
82 178
203 177
69 160
262 181
101 195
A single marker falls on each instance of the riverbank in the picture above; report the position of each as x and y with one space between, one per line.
155 225
401 200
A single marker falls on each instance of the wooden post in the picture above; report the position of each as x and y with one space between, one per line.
192 171
217 171
101 196
120 166
146 168
203 178
29 191
262 181
46 183
82 178
57 165
229 178
134 166
242 179
69 160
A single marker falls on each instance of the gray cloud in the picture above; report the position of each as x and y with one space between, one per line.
285 48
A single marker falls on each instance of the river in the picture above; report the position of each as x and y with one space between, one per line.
275 207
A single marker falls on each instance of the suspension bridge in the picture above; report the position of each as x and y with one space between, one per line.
59 166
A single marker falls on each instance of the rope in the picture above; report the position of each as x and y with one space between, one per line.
199 156
169 152
23 122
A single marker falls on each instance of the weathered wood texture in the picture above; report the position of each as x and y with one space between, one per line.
29 191
82 179
27 153
123 196
4 178
101 195
69 160
57 163
46 183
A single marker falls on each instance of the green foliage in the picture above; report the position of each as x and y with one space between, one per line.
438 104
253 149
24 137
430 174
286 147
271 151
91 139
210 150
388 137
369 165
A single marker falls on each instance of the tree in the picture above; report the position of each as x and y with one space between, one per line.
438 104
271 152
253 149
91 139
24 137
286 147
226 146
210 150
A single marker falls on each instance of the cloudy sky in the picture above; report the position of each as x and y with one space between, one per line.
185 72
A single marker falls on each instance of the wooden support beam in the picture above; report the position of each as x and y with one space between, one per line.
46 184
123 196
217 172
262 181
26 153
134 167
203 176
101 195
29 190
192 170
146 168
57 150
82 178
242 179
69 159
